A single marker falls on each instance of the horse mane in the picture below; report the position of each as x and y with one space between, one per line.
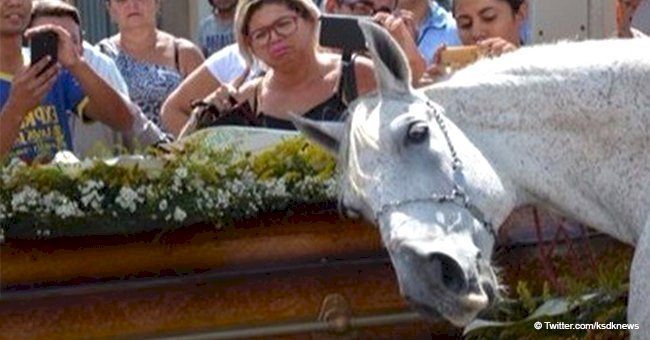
355 129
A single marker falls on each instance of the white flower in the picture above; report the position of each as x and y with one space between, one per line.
14 167
277 188
236 187
90 186
60 205
223 199
179 215
181 172
26 199
128 199
51 201
92 199
162 205
3 212
331 187
68 209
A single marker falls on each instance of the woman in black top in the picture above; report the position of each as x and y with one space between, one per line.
300 77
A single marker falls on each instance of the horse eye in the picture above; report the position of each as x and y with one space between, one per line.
417 133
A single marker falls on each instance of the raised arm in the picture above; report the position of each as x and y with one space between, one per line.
176 109
28 88
401 27
104 103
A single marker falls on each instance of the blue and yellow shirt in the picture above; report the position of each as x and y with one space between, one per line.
45 130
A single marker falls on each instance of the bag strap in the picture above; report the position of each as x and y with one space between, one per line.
177 56
348 82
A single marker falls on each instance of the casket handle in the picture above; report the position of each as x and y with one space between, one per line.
335 310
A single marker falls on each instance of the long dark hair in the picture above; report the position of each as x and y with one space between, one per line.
514 5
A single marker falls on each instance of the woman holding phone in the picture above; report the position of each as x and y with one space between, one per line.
492 27
299 76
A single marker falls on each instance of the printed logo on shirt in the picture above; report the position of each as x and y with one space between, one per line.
41 132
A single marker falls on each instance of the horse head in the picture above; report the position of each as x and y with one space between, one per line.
411 171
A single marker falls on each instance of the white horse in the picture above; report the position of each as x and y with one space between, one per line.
565 126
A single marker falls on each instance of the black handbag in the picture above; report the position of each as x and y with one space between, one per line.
208 114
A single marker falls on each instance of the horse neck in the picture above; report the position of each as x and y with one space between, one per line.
573 137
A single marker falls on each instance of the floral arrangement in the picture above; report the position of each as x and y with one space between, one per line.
189 183
597 295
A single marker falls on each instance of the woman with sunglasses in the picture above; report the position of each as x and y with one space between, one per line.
299 78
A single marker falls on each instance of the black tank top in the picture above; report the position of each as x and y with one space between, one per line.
332 109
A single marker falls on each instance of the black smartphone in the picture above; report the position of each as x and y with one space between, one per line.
44 44
342 32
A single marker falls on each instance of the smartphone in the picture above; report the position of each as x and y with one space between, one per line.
457 57
342 32
44 44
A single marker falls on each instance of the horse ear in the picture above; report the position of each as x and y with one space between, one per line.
391 67
327 134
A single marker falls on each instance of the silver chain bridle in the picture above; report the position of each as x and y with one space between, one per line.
457 195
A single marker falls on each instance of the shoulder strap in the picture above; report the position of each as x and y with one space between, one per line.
177 56
107 47
348 82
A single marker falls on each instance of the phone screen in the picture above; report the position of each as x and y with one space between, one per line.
341 31
44 44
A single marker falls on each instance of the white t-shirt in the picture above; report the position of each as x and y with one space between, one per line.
87 136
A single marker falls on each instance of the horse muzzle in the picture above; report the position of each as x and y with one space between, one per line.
443 283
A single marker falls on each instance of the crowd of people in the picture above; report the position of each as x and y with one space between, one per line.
257 58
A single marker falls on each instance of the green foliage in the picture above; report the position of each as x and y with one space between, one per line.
526 297
601 297
292 160
190 183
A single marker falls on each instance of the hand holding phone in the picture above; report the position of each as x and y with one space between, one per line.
342 32
43 44
457 57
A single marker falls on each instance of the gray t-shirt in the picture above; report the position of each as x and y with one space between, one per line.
641 20
214 34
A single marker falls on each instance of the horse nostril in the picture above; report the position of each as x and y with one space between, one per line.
451 275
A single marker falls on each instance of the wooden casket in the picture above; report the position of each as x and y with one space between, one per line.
303 272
